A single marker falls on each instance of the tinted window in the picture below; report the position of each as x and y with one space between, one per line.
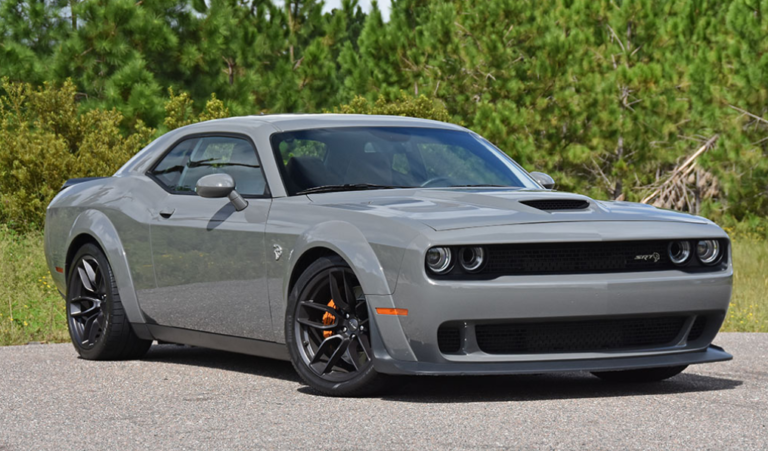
459 163
392 156
192 159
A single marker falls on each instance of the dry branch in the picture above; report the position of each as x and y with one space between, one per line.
676 191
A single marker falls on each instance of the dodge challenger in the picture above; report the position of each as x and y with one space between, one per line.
361 248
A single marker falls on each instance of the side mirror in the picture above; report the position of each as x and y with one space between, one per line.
543 179
220 185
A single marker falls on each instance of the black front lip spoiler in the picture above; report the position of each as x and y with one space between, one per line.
388 365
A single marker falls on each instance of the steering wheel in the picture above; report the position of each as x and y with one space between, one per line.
433 180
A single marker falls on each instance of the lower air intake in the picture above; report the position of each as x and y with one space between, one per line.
698 328
448 339
577 336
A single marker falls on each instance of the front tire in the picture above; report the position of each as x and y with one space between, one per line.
641 376
327 331
98 325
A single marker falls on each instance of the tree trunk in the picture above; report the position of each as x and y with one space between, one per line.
72 4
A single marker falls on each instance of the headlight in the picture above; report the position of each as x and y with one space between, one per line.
708 251
439 260
472 258
679 251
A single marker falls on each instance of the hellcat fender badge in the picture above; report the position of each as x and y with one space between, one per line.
278 251
655 257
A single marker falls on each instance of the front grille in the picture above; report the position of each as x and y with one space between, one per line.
577 336
557 204
448 339
698 328
575 258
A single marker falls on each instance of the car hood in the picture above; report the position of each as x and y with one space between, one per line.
459 208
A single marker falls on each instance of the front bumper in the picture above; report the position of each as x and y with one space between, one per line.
409 344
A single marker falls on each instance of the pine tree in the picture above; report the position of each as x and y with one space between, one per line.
114 54
29 30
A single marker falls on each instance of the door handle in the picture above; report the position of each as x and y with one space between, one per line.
167 212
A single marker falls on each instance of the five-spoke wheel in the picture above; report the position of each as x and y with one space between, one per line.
88 291
97 322
331 327
328 331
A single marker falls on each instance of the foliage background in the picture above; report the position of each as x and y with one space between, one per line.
604 95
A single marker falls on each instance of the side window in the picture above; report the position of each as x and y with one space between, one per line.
168 171
194 158
299 148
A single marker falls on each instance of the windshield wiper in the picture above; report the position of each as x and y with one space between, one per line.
479 185
218 165
194 164
346 187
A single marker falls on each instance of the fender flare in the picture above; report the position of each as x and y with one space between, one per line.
98 226
346 240
350 244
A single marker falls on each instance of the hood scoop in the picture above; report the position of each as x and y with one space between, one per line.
557 204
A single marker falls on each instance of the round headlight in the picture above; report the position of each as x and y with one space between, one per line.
439 260
472 258
679 251
708 251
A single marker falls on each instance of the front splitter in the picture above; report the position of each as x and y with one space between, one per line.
387 365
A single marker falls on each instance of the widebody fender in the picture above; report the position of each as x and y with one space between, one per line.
99 227
350 244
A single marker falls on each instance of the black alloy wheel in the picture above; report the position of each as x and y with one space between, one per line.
331 327
328 331
98 325
87 320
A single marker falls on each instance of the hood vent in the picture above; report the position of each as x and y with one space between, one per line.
557 204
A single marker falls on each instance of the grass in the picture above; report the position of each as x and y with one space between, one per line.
749 302
31 308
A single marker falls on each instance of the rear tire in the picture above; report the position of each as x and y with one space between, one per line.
641 376
327 331
98 325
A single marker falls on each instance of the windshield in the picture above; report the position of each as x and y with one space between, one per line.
350 158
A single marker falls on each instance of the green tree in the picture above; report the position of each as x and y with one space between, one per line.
117 52
29 30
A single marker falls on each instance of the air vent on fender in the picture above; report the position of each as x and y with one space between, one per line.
557 204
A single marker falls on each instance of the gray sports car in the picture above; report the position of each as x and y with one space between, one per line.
362 247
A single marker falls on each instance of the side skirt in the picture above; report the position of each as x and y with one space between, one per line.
221 342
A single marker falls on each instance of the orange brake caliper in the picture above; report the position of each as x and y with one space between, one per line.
329 319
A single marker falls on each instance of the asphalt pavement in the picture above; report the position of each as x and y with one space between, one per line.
191 398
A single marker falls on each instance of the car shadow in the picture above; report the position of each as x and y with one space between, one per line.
454 389
538 387
222 360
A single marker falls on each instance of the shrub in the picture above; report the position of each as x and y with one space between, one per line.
45 139
179 110
406 105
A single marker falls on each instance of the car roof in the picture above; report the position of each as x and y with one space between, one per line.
288 122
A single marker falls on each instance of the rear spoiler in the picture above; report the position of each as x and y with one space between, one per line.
72 182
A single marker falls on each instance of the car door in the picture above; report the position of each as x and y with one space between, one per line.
208 258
